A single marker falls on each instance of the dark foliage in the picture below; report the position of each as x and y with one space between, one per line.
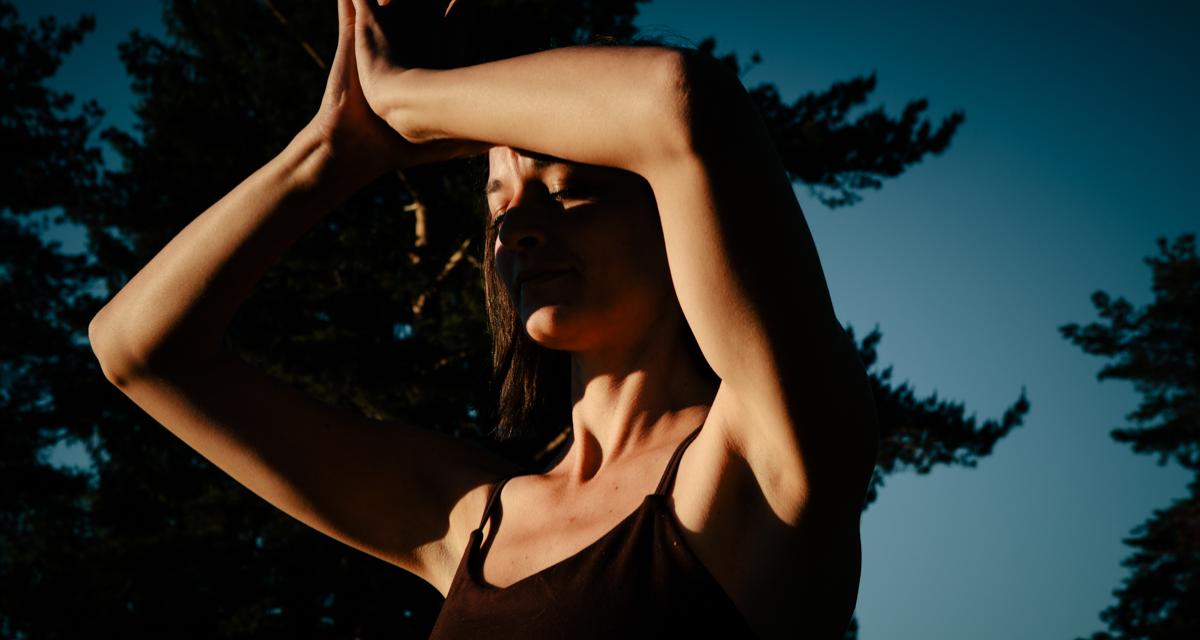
1157 348
919 434
43 148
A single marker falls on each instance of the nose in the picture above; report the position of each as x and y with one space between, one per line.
524 224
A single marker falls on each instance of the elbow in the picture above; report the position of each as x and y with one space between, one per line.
101 347
702 97
118 362
123 357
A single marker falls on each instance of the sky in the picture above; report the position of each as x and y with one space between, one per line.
1075 156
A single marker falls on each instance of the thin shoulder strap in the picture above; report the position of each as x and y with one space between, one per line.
669 475
487 511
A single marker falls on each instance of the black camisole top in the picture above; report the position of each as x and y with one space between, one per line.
639 580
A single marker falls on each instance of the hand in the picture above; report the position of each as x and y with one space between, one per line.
354 132
392 39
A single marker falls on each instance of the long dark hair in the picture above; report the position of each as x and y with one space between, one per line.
530 384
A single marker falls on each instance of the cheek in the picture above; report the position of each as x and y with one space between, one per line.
625 241
633 269
643 244
502 261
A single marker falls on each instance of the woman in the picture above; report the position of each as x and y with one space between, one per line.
638 209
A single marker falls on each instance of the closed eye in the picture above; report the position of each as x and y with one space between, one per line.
561 194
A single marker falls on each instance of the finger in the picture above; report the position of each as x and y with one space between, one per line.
345 43
366 25
365 7
368 15
347 14
345 10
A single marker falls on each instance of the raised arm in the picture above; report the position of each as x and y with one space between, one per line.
741 256
390 489
603 105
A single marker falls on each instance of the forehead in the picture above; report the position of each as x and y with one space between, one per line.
505 161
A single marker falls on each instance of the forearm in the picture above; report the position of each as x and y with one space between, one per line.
176 309
610 106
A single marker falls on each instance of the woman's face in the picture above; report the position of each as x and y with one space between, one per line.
599 223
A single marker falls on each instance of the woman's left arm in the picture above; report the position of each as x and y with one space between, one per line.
741 256
600 105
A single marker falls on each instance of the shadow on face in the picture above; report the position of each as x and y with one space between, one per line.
599 222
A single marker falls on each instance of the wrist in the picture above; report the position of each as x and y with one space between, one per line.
400 103
317 163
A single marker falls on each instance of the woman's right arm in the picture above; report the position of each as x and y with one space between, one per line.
401 493
174 312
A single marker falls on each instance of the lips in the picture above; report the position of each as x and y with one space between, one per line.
543 275
535 274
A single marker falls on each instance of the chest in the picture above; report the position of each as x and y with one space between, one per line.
728 540
782 577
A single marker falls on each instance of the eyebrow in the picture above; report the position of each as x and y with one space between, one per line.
540 161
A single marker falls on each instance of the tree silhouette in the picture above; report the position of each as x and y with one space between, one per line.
377 309
45 393
1158 349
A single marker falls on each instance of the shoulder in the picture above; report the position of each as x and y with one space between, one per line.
464 517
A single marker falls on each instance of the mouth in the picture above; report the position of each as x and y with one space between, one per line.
545 276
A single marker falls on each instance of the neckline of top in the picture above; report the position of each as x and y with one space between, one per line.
475 565
665 483
475 555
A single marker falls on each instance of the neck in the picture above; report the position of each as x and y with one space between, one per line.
627 401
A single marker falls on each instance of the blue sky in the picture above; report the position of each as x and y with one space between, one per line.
1076 154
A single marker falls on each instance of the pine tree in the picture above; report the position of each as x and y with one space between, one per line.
1157 348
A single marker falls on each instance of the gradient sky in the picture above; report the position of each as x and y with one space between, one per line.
1075 156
